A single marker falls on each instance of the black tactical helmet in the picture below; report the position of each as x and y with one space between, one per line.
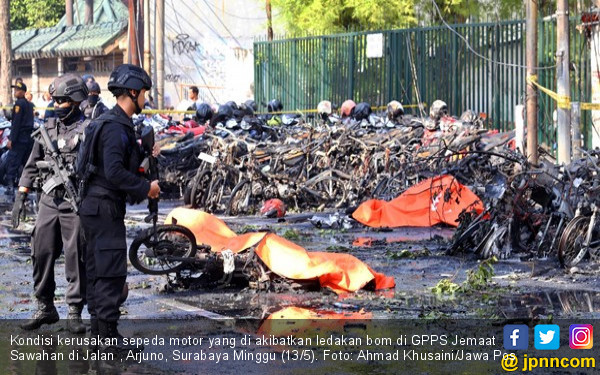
274 106
93 86
232 104
362 111
129 77
251 104
204 113
69 86
88 78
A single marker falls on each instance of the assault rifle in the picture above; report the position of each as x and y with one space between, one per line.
60 175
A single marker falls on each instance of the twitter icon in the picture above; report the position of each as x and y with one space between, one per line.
547 337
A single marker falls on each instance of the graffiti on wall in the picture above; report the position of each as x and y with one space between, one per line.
183 44
172 77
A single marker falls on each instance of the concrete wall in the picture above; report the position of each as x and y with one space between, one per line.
210 44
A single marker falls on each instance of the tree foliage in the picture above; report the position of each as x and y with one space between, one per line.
30 14
330 16
326 16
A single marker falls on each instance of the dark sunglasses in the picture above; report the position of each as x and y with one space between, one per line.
62 100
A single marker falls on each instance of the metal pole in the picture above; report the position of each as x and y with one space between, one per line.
532 98
133 50
576 127
89 12
6 55
35 79
69 12
160 53
563 135
595 78
147 37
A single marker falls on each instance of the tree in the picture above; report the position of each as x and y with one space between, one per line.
327 16
330 16
28 14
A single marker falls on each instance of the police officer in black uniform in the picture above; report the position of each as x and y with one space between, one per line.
20 141
118 157
57 226
93 107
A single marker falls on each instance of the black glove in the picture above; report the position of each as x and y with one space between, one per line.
19 209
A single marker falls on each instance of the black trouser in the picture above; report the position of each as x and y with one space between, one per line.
102 219
16 158
57 228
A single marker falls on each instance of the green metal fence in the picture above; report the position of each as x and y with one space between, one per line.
427 63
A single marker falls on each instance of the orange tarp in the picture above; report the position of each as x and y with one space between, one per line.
340 272
436 200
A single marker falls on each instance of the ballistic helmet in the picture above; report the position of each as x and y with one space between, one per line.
93 86
69 86
274 106
394 110
438 110
362 111
204 113
347 108
129 77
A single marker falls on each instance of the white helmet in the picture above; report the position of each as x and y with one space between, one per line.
438 110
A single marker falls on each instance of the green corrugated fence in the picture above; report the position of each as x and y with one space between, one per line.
427 63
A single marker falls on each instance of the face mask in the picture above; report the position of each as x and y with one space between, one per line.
68 115
93 99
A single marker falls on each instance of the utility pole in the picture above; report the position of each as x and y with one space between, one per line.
5 53
269 21
160 53
563 132
89 12
532 97
132 35
595 78
69 12
147 37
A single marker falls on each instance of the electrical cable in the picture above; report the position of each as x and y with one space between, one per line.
223 23
439 12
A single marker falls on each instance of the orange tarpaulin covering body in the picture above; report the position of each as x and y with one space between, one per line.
436 200
340 272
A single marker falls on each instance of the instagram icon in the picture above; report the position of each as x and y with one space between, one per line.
581 336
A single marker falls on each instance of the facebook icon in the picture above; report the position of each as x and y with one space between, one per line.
516 336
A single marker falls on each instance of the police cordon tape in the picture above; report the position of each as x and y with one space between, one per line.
315 110
175 111
562 101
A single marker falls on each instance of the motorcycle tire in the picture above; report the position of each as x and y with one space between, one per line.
570 247
152 258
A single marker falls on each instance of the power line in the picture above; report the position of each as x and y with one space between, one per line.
478 54
245 18
223 23
194 60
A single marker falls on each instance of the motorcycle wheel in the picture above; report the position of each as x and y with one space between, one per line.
154 258
215 194
199 188
570 248
240 202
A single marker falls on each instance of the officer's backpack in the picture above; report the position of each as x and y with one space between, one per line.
87 160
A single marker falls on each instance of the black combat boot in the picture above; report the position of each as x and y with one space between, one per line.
74 322
94 333
45 314
117 342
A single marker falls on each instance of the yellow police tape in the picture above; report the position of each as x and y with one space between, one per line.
562 101
315 111
174 111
